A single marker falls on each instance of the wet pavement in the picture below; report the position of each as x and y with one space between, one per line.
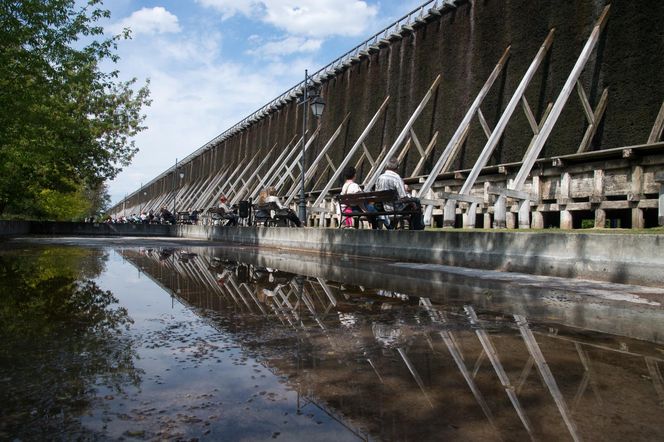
134 339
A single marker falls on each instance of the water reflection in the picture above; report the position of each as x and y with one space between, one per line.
60 341
402 358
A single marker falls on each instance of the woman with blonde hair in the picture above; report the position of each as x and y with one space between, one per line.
269 196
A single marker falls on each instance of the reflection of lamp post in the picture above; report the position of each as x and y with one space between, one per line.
317 106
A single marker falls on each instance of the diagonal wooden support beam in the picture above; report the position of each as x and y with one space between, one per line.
547 376
656 132
246 189
496 135
296 162
459 136
268 175
500 207
313 167
402 136
594 117
492 354
560 102
351 152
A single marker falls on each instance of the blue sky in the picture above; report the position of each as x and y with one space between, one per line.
213 62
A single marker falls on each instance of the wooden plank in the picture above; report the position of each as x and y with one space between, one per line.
427 152
351 152
498 131
529 115
560 102
656 132
514 194
462 130
591 130
442 197
313 167
402 136
483 123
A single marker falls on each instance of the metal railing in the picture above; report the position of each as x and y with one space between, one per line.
405 23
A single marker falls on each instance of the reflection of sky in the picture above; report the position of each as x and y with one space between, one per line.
224 391
395 366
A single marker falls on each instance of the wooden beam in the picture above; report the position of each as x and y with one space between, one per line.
402 136
595 119
560 102
351 152
462 130
656 132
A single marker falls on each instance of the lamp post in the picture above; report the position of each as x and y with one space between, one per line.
175 170
177 190
317 105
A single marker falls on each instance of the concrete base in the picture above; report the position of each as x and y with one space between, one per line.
624 258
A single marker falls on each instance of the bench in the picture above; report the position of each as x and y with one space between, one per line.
356 201
268 215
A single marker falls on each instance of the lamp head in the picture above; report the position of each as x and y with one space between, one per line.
317 106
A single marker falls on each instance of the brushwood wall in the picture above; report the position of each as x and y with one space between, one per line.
463 45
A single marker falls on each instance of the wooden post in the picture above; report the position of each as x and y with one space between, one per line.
499 213
600 218
638 222
537 220
470 217
524 214
660 210
487 220
449 214
566 219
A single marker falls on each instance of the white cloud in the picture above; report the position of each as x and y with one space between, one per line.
286 46
149 21
320 18
229 8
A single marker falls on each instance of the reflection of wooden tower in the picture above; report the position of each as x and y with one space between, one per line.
313 304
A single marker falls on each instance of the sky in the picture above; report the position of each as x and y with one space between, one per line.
211 63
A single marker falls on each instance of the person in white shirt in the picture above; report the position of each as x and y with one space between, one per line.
350 187
390 179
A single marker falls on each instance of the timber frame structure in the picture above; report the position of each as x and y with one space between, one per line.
591 187
311 305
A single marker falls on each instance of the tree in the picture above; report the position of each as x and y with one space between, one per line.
64 123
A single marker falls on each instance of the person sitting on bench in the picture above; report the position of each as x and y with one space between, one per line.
269 196
228 215
350 187
390 179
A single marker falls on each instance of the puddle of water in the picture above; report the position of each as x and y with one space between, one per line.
219 343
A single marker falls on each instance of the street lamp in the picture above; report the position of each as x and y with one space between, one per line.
317 105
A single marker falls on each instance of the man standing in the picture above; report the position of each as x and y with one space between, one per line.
390 179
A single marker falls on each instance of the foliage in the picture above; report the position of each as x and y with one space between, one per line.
61 338
64 123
